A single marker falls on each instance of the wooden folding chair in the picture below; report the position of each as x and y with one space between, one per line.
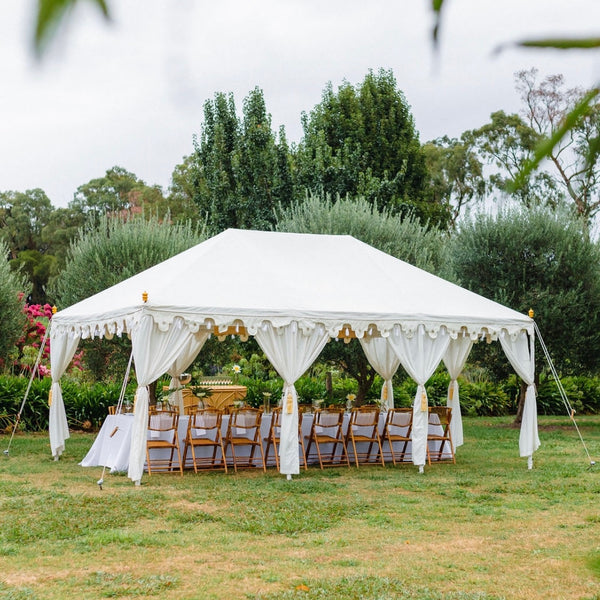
363 428
162 437
327 429
439 438
243 429
397 430
274 435
204 435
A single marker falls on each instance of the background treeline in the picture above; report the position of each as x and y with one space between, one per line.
449 206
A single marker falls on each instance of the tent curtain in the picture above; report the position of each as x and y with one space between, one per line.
420 354
62 349
154 352
183 361
385 361
291 351
454 360
520 353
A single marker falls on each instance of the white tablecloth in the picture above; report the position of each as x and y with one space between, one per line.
111 446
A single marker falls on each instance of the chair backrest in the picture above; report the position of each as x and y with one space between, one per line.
205 419
112 410
364 416
246 418
399 417
440 415
328 417
162 422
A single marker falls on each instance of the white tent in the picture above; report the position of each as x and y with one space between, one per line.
293 292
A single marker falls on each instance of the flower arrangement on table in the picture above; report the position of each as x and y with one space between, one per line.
350 398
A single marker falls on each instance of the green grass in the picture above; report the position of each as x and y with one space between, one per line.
483 529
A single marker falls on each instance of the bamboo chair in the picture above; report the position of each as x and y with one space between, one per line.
243 429
363 428
397 430
163 436
327 430
440 416
274 435
204 433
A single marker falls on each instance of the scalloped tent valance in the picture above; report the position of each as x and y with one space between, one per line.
244 279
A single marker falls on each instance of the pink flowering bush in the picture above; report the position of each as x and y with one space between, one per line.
28 346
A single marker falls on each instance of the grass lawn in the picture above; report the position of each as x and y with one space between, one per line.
485 528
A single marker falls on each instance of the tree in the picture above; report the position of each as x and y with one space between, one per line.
404 238
534 258
506 144
362 141
242 172
546 106
13 289
103 256
24 218
454 175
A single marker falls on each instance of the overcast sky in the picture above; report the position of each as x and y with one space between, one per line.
130 92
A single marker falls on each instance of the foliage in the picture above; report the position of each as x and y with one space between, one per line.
27 347
536 259
404 238
362 141
454 175
12 319
241 170
25 219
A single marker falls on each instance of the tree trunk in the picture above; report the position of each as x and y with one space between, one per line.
521 405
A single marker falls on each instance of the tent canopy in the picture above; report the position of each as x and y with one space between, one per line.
292 292
253 276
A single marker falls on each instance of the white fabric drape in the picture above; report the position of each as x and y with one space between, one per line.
520 353
454 360
183 361
62 350
291 352
385 361
154 352
420 355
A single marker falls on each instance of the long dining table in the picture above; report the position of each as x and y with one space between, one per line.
112 444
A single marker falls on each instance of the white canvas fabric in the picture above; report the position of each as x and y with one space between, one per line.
420 354
385 361
154 351
62 350
291 351
183 361
520 352
454 361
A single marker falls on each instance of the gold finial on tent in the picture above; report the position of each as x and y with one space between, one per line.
145 296
531 313
54 309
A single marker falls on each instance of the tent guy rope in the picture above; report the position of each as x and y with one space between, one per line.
563 394
33 372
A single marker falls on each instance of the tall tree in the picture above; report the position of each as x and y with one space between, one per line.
242 172
454 175
575 162
13 289
24 218
362 141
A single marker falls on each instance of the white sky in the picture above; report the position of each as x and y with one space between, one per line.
131 92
